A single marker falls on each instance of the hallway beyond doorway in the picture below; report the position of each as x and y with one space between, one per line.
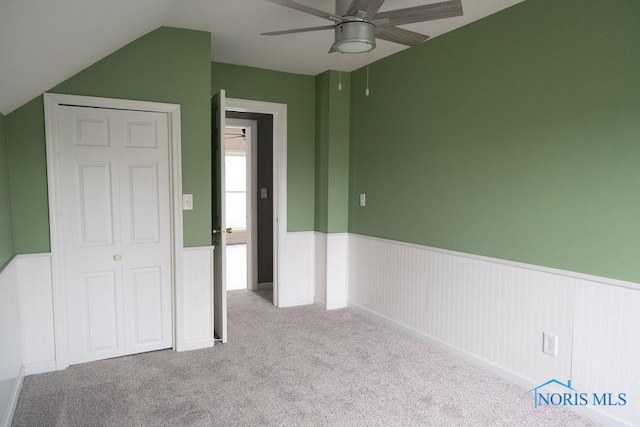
236 267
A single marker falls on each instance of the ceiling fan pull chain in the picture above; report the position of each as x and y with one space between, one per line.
340 71
366 92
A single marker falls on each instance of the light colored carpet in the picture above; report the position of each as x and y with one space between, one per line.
290 366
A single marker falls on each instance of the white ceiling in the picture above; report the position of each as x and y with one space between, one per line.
44 42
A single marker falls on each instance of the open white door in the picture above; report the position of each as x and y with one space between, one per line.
219 224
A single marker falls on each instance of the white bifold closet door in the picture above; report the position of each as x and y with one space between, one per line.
117 231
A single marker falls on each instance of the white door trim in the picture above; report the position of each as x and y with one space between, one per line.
279 112
52 102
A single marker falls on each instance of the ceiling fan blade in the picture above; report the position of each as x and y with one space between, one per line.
400 35
306 9
428 12
370 7
298 30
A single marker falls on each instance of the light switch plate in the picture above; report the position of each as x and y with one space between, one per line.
263 193
363 199
187 202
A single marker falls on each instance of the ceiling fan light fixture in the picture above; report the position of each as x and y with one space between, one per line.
355 37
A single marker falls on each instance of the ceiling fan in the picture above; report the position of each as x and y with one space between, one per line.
357 23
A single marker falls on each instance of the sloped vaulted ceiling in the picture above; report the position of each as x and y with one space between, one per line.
44 42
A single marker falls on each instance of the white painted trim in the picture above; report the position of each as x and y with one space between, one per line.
39 367
199 344
199 248
31 256
334 305
279 112
15 395
52 102
556 271
320 303
524 382
297 301
177 224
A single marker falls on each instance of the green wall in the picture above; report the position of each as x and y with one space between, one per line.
516 137
322 152
298 92
6 229
28 173
167 65
332 152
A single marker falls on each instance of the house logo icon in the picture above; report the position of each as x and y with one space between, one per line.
569 396
537 396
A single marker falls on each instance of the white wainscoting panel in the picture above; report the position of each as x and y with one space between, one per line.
320 297
331 267
492 311
495 312
606 345
198 297
337 270
296 285
36 312
11 370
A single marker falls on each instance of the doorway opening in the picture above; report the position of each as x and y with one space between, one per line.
275 218
240 179
257 130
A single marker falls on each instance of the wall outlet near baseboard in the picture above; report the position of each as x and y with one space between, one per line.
550 344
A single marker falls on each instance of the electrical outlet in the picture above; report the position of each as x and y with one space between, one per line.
550 344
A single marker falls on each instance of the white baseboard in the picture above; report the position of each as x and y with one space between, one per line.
334 305
320 303
525 383
199 344
294 302
39 367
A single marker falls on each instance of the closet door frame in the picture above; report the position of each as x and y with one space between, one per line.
51 104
